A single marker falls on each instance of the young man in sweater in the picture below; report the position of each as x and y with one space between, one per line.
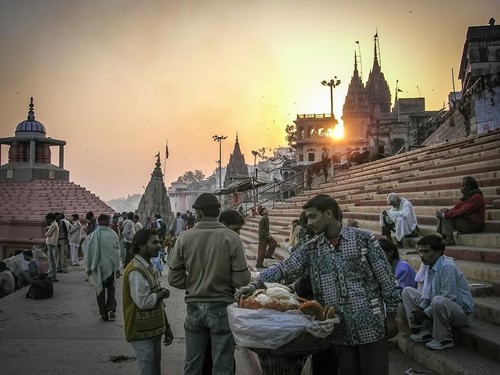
143 306
209 262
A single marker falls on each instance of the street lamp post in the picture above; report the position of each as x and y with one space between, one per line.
256 191
332 83
255 154
219 138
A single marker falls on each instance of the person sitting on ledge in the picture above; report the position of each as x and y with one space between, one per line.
7 280
467 216
445 300
400 218
404 273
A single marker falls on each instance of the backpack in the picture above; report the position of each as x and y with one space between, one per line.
41 288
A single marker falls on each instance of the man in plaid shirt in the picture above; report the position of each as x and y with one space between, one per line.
348 270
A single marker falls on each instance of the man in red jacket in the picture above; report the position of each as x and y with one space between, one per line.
467 216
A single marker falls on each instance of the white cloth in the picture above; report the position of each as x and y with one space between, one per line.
75 232
422 280
178 225
102 255
128 230
403 217
139 287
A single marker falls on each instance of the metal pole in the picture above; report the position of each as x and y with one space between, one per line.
219 138
220 165
331 100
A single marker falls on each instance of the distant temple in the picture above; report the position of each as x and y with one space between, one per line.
236 168
155 199
364 105
31 187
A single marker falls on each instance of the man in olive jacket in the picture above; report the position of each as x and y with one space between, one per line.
208 261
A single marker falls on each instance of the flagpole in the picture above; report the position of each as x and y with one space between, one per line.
397 102
165 160
360 60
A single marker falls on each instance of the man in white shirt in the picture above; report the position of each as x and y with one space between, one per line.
143 306
178 224
74 238
128 233
400 218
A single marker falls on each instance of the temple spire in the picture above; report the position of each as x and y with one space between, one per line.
237 137
377 60
355 63
31 112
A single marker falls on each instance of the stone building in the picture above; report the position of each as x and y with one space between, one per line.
155 199
31 186
476 109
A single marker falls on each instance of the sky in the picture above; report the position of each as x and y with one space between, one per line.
117 79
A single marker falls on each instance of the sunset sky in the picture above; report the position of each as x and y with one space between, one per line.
117 78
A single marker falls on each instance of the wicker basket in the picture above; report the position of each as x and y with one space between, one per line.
305 344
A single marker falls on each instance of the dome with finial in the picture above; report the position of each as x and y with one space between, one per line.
30 125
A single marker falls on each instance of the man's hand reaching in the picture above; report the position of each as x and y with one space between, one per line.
244 292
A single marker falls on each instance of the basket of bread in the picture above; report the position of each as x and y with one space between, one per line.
276 321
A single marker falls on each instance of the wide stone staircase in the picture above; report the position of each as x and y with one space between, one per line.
430 178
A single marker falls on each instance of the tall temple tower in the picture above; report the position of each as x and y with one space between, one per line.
379 95
356 112
155 199
236 168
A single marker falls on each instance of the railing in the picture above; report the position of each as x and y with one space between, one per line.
257 191
307 173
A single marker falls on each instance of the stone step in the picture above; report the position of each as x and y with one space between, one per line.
480 337
458 360
488 309
481 247
420 210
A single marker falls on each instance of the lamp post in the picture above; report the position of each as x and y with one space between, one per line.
332 83
219 138
255 154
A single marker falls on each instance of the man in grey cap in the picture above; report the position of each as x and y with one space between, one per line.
209 262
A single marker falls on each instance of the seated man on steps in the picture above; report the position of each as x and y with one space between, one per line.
400 218
467 216
445 301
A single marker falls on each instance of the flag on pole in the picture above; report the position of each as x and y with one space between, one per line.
166 149
399 90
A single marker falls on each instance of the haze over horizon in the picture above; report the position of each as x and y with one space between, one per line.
116 79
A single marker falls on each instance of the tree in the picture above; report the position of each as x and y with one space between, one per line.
291 134
191 177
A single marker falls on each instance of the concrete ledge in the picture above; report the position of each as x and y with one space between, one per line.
481 337
454 361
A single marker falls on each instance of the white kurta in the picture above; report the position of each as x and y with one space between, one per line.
404 218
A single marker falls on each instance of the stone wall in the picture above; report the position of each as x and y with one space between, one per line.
475 113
